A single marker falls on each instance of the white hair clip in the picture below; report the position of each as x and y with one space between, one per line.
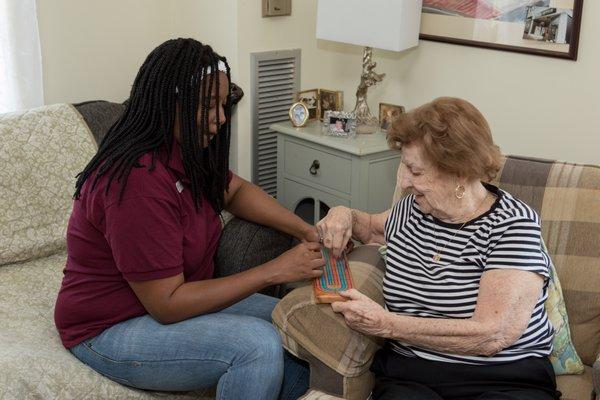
220 66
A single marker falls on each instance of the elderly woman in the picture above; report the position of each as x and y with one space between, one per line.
466 274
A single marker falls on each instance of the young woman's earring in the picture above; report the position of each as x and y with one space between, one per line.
459 191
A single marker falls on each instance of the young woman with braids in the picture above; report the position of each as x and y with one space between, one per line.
138 302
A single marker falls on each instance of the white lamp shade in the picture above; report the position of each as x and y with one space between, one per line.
382 24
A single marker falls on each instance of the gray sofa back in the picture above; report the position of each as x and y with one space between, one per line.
99 115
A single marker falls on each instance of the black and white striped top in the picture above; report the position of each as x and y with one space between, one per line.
508 236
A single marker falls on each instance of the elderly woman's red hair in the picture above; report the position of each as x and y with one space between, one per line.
454 135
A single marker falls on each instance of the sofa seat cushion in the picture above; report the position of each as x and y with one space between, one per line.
318 395
573 387
576 387
33 362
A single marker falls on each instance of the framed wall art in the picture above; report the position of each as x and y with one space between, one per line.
540 27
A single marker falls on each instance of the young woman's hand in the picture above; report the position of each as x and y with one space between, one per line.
309 234
304 261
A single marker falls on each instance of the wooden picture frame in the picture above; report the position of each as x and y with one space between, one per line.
541 27
330 100
310 98
388 113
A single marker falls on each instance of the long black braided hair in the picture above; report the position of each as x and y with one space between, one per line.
175 75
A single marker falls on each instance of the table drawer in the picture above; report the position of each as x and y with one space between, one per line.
317 166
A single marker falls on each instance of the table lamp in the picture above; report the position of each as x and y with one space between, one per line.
383 24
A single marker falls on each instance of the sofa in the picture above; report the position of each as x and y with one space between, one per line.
566 196
41 151
35 202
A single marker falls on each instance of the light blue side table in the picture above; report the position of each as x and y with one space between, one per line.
316 171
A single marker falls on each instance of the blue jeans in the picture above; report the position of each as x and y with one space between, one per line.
236 349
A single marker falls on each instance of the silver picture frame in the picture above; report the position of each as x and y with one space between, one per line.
339 123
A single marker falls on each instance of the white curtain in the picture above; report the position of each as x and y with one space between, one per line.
20 56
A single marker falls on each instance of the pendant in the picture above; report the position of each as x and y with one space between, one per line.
437 257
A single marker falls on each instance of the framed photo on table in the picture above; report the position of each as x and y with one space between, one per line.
540 27
330 100
298 114
340 123
388 114
311 99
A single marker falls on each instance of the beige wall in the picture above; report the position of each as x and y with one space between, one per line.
331 66
537 106
213 23
210 22
92 49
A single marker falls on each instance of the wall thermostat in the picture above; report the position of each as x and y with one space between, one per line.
276 8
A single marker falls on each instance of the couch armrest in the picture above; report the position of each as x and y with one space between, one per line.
339 357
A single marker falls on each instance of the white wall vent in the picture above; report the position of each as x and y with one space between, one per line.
275 81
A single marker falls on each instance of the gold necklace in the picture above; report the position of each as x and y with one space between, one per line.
438 256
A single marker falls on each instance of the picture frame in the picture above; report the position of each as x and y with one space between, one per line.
298 114
539 27
310 98
330 100
388 114
340 123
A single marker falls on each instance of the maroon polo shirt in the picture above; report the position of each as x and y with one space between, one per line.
154 232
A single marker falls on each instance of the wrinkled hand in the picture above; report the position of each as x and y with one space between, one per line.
336 229
303 261
363 314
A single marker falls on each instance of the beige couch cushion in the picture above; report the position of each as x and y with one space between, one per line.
573 387
576 387
33 362
41 151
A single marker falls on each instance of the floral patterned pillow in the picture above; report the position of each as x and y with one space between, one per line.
564 358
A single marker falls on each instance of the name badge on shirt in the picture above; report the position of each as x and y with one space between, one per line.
179 186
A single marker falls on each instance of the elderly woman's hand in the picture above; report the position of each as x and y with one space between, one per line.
363 314
336 229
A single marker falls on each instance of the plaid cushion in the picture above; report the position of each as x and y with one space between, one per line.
567 197
339 357
564 357
318 395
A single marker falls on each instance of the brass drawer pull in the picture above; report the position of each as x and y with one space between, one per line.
314 168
